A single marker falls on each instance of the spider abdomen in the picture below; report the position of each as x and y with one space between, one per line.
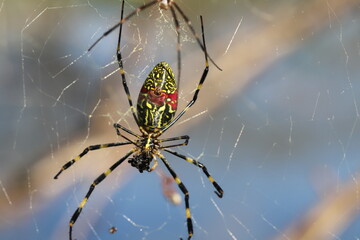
157 102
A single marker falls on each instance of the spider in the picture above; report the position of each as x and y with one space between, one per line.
155 114
165 5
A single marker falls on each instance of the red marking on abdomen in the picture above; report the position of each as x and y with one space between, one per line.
159 99
173 100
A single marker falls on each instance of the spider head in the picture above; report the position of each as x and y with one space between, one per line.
141 161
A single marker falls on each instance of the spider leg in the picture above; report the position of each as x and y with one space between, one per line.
137 10
86 150
202 79
117 126
219 192
149 4
189 24
91 189
120 62
186 137
155 164
177 28
184 191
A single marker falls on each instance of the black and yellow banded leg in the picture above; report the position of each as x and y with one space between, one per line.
121 66
145 6
185 137
177 28
202 79
91 189
219 192
86 150
117 126
184 191
190 26
136 11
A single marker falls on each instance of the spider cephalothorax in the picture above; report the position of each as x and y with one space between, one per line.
145 153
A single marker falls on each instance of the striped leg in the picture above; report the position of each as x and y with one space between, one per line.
91 189
136 11
219 192
185 192
186 137
139 9
177 28
117 126
188 23
202 79
86 150
122 71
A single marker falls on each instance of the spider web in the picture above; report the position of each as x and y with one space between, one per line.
278 129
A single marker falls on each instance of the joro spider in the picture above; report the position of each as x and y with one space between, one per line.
156 108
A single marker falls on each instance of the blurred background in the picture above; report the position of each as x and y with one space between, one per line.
278 128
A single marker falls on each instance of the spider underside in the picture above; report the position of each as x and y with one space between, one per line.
155 114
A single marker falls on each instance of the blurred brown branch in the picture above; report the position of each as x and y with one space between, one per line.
329 217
